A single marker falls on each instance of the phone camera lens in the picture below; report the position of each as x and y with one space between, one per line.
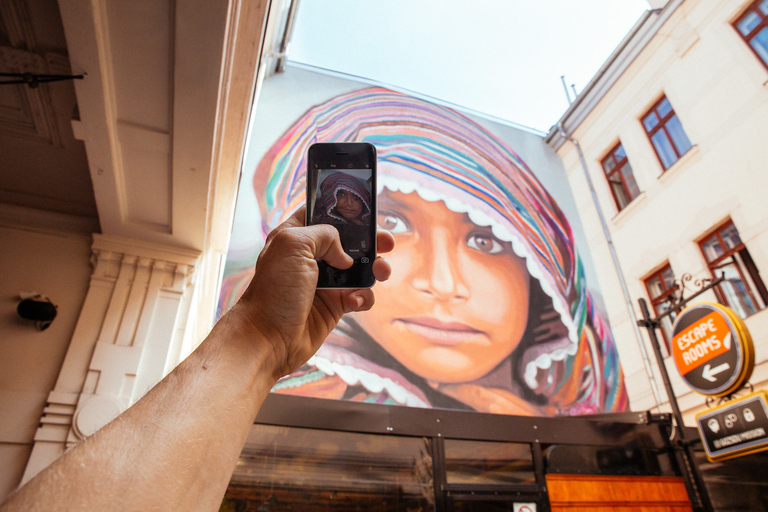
349 166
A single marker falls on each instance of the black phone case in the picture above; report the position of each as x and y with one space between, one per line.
348 166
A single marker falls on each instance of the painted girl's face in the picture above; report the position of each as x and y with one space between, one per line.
348 204
457 302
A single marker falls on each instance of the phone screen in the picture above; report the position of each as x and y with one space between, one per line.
341 191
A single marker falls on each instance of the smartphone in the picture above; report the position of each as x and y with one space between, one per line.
341 191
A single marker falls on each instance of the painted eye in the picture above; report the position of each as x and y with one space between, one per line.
393 223
484 243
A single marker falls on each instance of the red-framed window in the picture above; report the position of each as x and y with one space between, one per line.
752 26
620 178
666 133
743 289
661 288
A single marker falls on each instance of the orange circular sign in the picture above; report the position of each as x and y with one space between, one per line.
712 349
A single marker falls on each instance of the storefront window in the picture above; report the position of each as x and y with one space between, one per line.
285 469
488 463
605 460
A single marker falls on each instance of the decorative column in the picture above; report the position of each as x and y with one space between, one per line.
129 336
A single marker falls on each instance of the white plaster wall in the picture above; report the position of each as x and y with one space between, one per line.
55 264
718 90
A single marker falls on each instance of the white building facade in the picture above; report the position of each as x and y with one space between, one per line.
672 131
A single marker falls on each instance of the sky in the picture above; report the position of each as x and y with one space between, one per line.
499 58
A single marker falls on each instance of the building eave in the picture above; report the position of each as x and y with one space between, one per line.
611 71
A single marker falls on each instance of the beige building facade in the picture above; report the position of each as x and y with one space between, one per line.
672 131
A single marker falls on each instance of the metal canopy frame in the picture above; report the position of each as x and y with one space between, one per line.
644 429
641 430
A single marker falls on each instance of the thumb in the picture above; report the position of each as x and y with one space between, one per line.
327 246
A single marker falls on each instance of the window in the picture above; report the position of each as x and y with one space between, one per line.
666 133
743 290
488 463
292 468
753 28
661 288
620 178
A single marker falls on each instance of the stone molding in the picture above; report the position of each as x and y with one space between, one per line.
127 338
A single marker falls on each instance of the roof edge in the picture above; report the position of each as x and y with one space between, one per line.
416 94
609 73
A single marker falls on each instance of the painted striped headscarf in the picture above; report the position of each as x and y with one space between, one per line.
444 156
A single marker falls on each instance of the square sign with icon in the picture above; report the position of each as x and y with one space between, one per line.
737 428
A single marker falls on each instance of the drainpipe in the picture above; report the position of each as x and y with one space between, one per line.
616 266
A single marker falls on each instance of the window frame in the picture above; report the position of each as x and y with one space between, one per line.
618 164
664 297
753 7
662 125
751 284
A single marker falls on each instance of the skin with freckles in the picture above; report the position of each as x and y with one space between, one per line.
456 304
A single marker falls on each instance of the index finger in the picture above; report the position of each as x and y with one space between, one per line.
385 242
297 218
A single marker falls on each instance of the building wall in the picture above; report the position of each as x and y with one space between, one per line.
126 295
426 201
55 263
719 90
120 327
285 97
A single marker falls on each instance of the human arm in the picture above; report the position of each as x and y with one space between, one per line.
175 449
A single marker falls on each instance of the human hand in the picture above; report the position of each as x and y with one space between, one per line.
282 304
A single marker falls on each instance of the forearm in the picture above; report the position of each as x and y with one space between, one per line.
175 449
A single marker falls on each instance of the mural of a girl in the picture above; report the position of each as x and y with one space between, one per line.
487 308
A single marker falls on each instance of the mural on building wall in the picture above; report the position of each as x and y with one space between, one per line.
487 308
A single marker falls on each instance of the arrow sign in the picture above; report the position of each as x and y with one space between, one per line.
712 349
709 373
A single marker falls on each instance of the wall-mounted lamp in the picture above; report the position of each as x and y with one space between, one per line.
37 308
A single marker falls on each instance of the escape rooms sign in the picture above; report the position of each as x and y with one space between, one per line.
714 353
712 349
